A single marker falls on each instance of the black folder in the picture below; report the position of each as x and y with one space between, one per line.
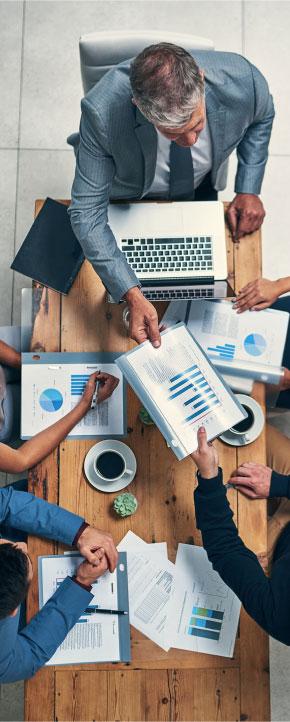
50 253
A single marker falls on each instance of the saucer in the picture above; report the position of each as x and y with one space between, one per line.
95 479
249 436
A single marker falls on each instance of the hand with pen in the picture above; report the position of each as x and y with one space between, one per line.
105 385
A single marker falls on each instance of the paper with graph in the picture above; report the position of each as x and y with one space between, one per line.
53 383
204 612
180 389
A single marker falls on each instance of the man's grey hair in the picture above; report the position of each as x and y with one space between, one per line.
167 84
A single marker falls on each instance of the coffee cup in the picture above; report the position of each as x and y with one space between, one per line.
110 465
242 428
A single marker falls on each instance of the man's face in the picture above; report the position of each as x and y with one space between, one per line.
23 547
188 134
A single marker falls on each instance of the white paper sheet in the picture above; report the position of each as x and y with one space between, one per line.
203 611
51 390
185 388
150 582
95 637
257 336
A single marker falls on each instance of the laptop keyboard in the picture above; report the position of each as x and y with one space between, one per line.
176 255
168 294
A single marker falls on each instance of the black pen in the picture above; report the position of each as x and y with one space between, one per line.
95 610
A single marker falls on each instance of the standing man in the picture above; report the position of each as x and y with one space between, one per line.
164 126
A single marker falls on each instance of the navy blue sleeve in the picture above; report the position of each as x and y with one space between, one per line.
266 600
280 485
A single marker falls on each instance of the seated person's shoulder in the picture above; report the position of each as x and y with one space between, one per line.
112 94
224 64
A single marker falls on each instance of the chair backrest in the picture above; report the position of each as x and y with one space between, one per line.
99 52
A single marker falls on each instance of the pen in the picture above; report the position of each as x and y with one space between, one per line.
95 395
95 610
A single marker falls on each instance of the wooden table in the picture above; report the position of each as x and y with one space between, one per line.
156 685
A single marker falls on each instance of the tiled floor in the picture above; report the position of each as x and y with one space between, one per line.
40 91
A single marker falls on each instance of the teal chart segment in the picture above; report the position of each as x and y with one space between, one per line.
51 400
205 623
255 344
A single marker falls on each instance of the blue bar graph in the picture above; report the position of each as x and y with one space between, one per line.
195 632
78 383
224 351
202 397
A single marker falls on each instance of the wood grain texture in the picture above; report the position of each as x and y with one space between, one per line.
157 685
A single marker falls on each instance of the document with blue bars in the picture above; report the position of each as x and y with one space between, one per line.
180 389
53 383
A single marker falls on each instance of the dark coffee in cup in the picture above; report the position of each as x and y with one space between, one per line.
243 426
110 465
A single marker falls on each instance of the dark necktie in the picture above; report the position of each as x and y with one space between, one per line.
181 185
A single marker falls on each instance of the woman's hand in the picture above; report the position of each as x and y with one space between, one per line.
206 456
258 294
253 480
107 384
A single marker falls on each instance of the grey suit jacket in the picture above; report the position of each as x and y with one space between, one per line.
117 149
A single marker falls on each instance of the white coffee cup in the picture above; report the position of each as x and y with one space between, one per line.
110 465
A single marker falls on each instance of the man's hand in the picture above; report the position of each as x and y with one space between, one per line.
257 295
206 456
245 215
143 318
108 384
93 544
87 574
253 480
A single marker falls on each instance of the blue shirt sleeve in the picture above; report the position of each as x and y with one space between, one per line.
24 511
21 655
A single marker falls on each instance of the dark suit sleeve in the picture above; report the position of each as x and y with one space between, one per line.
280 485
266 600
26 512
21 655
88 211
252 150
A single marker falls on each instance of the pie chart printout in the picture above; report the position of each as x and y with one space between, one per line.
255 344
51 400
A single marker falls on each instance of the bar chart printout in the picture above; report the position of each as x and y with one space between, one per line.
204 611
195 392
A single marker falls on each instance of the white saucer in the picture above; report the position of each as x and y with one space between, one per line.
249 436
96 480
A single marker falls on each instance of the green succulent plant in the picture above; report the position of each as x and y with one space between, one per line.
125 504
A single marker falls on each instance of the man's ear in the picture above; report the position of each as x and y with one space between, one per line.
13 614
201 73
134 101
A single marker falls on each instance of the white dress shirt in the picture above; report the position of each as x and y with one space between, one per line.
201 153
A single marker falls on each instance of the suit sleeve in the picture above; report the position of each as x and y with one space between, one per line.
252 151
88 211
21 655
266 600
24 511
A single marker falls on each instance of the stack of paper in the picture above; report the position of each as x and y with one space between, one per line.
186 605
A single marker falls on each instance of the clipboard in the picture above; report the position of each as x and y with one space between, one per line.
167 427
120 576
52 383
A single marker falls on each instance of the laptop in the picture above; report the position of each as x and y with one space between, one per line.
177 250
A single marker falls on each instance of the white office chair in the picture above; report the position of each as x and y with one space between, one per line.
100 51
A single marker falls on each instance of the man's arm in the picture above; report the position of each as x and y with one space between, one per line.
24 511
266 600
88 211
21 655
252 151
246 212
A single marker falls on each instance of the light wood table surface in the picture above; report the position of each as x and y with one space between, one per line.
156 685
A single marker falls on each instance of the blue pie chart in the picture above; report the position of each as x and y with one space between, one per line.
255 344
51 400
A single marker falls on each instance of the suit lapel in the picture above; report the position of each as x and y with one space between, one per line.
147 138
216 117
